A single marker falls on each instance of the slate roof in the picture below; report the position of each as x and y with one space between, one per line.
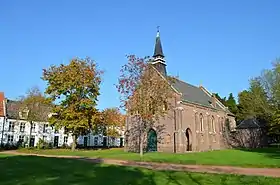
193 94
250 123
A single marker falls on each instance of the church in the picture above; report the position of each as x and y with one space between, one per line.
199 120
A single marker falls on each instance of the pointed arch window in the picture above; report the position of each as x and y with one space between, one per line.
222 124
196 121
201 122
213 124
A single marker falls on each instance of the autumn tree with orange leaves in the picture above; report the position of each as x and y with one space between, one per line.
114 121
144 94
75 88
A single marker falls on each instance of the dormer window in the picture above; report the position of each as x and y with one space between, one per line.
23 114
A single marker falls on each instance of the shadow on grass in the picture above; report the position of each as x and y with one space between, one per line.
34 170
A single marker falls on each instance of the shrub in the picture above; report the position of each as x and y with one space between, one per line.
42 144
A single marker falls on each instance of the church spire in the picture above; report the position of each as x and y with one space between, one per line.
158 61
158 48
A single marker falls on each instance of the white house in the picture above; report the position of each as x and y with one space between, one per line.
14 129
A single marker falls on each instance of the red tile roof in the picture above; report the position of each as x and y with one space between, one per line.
2 98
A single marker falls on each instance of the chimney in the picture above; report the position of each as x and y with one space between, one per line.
2 101
214 102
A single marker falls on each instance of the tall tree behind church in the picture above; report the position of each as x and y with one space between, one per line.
231 104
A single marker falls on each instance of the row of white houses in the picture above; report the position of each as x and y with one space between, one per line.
14 131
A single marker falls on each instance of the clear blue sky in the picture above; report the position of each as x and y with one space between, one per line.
219 44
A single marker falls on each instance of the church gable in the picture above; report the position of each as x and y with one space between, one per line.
190 93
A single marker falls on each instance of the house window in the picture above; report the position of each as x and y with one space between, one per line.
11 126
22 127
66 130
45 138
45 128
65 140
33 125
201 122
21 139
56 131
213 124
10 138
95 141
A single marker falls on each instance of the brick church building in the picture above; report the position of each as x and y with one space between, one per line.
199 119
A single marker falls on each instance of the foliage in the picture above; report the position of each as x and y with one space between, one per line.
254 102
34 106
144 94
114 121
231 104
42 144
75 87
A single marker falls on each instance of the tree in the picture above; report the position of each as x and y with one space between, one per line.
254 102
269 79
231 104
75 87
144 95
113 122
34 106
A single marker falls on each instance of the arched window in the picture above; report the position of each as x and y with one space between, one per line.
209 123
201 122
196 121
222 124
213 124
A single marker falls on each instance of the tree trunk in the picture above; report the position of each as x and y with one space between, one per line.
141 145
74 143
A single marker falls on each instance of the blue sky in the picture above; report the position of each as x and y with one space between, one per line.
219 44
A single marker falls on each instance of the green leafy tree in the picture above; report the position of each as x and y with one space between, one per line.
254 102
231 104
75 87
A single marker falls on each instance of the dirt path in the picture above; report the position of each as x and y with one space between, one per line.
270 172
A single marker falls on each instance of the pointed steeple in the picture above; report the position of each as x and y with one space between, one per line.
158 56
158 48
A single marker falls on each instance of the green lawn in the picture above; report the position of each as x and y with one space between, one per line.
31 170
269 157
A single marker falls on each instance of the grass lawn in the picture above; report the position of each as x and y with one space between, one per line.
269 157
31 170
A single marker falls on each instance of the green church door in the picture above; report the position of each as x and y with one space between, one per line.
152 141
